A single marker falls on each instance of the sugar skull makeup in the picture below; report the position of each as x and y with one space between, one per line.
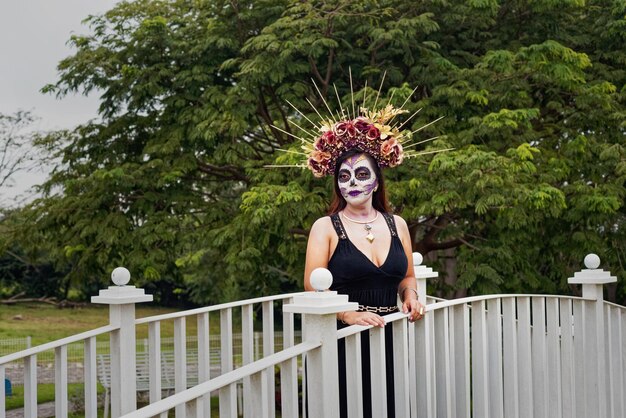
357 179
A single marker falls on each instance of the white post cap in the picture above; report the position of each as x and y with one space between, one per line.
121 293
321 301
422 272
592 274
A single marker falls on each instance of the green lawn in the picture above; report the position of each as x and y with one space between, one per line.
45 323
45 393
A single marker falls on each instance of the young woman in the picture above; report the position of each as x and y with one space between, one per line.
368 251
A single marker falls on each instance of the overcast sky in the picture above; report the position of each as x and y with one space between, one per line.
33 38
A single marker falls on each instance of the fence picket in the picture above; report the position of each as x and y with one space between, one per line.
567 359
510 358
539 365
228 394
268 349
494 344
480 372
460 353
580 404
354 376
378 368
553 357
30 387
2 393
524 349
204 358
442 362
60 382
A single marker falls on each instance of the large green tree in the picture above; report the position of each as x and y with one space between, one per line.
171 182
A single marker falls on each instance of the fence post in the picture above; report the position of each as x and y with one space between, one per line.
595 370
121 300
421 274
421 395
319 324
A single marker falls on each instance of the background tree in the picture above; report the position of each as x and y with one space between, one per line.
172 182
16 151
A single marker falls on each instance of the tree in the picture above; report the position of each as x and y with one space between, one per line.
172 183
16 151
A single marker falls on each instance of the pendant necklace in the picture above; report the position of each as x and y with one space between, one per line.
368 228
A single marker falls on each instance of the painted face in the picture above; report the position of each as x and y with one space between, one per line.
357 179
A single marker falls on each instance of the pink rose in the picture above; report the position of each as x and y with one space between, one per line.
315 167
392 153
388 146
319 163
321 156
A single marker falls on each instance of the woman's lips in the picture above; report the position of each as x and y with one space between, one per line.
354 193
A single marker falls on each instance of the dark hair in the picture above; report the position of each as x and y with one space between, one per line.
379 199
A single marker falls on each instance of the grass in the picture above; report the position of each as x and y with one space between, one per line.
45 393
45 323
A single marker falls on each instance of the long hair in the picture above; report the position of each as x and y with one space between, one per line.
379 199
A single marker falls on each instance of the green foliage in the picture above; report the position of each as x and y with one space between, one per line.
171 183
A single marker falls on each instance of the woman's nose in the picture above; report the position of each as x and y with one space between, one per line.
352 181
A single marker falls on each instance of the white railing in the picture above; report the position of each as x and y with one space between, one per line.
488 356
29 357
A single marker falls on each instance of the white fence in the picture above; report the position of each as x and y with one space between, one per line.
75 351
489 356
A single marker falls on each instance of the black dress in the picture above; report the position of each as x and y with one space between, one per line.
358 277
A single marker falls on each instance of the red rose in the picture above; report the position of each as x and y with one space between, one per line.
361 125
373 133
326 141
345 129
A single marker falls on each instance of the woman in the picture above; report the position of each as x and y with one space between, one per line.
368 251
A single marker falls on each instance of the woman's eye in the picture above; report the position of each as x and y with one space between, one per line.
344 177
363 175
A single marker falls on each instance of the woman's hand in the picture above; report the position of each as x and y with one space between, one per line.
363 318
415 309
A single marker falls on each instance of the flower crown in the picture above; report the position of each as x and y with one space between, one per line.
372 131
369 133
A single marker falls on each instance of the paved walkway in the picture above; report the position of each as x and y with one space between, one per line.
44 410
45 373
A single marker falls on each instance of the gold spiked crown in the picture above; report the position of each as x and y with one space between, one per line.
373 131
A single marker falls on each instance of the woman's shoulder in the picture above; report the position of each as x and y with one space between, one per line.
322 229
322 224
400 223
399 219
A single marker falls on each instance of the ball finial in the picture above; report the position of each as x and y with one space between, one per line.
120 276
321 279
417 259
592 261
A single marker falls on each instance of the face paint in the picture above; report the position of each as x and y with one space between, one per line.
357 179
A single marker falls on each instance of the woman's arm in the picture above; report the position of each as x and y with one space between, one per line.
407 289
317 250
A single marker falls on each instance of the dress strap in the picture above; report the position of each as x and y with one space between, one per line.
341 232
391 223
